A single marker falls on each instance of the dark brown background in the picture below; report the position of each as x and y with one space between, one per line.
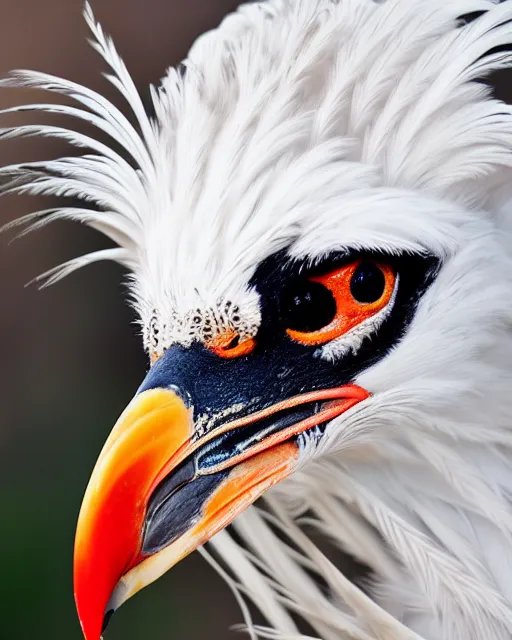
71 358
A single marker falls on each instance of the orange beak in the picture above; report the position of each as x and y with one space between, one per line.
159 489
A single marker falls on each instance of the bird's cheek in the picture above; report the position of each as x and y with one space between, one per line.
149 504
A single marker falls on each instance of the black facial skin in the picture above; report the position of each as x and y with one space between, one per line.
277 369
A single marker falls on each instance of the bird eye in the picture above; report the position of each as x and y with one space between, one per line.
323 308
308 306
367 283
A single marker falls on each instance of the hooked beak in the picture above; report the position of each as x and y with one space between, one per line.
160 488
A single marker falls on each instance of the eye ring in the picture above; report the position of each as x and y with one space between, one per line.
344 284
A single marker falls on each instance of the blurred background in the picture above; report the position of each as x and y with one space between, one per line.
71 357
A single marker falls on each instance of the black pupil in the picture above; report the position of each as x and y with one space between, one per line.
367 283
308 306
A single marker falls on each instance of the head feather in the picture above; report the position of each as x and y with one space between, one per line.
267 110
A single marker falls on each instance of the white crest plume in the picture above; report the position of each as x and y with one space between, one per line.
290 110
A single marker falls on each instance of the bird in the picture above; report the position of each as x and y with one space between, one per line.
313 210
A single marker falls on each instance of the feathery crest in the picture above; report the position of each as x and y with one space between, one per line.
282 97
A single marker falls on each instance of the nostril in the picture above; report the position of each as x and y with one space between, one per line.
234 343
231 345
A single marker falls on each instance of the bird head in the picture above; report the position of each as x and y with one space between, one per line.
312 224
